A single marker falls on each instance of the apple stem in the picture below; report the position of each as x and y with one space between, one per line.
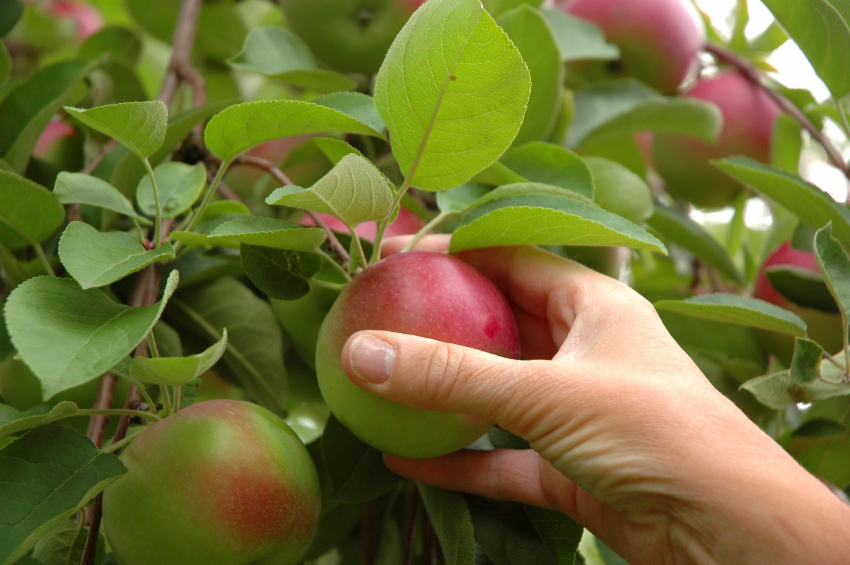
178 392
436 221
359 244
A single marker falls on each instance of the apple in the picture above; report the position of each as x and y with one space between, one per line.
823 327
425 294
86 17
749 116
659 40
223 481
350 36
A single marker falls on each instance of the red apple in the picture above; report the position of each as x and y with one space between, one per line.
748 119
83 14
823 327
407 223
350 36
659 40
223 481
426 294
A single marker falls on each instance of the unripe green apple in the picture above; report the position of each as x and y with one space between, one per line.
748 119
823 327
659 40
425 294
222 482
350 36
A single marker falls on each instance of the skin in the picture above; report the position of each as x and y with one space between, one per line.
427 294
749 116
628 437
659 40
221 482
350 36
823 327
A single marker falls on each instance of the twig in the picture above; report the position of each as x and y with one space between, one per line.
180 66
223 190
332 239
758 77
97 424
107 147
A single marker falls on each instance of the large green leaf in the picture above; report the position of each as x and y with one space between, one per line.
578 39
15 422
139 126
48 474
453 91
802 287
177 370
560 533
28 212
680 230
238 128
27 110
77 188
532 35
623 107
277 52
835 266
738 310
357 105
806 201
178 184
551 164
619 190
778 390
97 259
68 336
452 522
257 230
354 191
820 29
280 273
542 219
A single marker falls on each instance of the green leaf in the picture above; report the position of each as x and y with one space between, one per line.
787 144
453 91
177 370
835 266
530 33
498 174
98 259
452 522
139 126
77 188
28 212
560 533
357 105
579 40
179 186
805 365
779 390
547 163
624 107
48 474
679 229
280 273
68 336
806 201
14 422
335 149
268 232
619 190
30 106
65 544
10 12
802 287
354 191
738 310
254 355
238 128
458 199
819 28
357 471
547 220
122 43
499 7
5 63
277 52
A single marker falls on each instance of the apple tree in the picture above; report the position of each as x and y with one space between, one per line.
193 198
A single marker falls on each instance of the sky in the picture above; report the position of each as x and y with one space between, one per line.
794 71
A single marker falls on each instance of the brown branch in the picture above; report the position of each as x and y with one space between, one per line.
180 67
97 424
757 76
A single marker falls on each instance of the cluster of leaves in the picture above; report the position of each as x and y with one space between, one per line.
486 144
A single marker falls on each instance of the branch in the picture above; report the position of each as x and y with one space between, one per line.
758 77
180 67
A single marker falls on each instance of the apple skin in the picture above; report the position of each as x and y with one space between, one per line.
86 17
749 116
659 40
425 294
221 482
350 36
823 327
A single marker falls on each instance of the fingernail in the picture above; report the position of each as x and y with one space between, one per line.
372 359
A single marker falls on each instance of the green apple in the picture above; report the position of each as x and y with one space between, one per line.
222 482
426 294
350 36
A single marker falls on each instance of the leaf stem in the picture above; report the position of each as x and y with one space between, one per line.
199 213
438 219
382 226
44 261
335 265
359 244
325 284
157 238
166 399
116 412
121 443
178 392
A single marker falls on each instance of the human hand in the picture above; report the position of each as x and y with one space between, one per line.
628 437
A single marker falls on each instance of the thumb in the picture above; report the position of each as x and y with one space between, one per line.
432 375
